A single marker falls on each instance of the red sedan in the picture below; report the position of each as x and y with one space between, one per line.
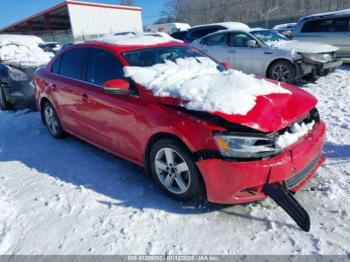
84 92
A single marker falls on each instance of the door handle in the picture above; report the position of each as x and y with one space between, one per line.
84 97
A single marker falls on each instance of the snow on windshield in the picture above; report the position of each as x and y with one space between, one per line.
22 51
139 39
203 85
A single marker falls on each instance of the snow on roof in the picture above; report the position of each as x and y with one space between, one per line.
22 51
284 26
139 39
203 85
228 25
340 12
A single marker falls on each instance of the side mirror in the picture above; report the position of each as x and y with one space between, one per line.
252 44
117 87
226 65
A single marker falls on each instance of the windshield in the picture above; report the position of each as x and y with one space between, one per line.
152 56
267 36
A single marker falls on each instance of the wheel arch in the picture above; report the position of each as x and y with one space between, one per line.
43 100
164 135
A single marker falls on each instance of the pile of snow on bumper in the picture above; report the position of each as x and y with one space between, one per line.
204 86
297 131
22 51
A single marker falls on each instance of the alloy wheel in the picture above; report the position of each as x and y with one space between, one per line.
172 171
51 120
281 73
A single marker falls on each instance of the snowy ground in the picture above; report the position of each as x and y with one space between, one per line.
67 197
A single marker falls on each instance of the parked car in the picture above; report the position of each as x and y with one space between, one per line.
266 53
52 47
199 31
180 35
87 92
285 29
20 56
168 28
330 28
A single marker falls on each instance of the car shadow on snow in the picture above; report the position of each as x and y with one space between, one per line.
337 151
23 138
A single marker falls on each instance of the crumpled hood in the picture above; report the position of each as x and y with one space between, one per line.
271 113
304 47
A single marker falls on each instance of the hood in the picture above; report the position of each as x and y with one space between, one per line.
304 47
271 112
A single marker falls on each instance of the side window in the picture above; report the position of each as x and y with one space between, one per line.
203 32
103 66
56 66
341 24
72 63
215 40
239 40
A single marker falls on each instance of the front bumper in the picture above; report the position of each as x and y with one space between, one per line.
318 69
240 182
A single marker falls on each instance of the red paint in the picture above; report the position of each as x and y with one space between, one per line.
124 125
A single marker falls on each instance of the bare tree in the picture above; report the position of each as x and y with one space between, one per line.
128 2
173 9
270 7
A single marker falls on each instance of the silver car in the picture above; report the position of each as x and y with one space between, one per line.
330 28
266 53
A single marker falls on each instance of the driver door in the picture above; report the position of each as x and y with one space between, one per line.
109 119
241 56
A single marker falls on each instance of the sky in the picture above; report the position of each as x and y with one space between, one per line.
15 10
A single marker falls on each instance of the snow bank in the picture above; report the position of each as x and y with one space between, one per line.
297 131
200 82
22 51
140 39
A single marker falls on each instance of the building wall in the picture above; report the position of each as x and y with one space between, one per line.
89 20
255 12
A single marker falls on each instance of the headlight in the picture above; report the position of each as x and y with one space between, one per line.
238 146
321 58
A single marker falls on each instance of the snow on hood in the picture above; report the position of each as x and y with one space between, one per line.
22 51
138 39
204 87
303 47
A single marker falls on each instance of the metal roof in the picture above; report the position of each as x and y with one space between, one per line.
63 5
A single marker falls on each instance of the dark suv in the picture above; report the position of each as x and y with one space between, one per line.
203 30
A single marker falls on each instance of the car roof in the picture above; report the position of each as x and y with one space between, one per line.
326 15
228 25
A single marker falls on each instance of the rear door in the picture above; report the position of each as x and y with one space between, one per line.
65 85
109 119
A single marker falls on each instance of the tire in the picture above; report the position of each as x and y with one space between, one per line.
4 104
282 71
167 157
52 121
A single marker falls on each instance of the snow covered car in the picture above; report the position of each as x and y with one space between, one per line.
285 29
269 54
193 124
20 56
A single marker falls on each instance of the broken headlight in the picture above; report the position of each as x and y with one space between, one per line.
321 58
245 147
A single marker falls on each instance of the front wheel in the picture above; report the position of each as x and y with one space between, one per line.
282 71
174 170
52 121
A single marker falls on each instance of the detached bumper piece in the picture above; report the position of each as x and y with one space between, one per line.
284 198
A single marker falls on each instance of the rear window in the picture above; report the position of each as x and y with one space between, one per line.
202 32
327 25
72 63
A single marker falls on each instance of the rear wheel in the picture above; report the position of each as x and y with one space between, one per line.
4 104
283 71
52 121
174 170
